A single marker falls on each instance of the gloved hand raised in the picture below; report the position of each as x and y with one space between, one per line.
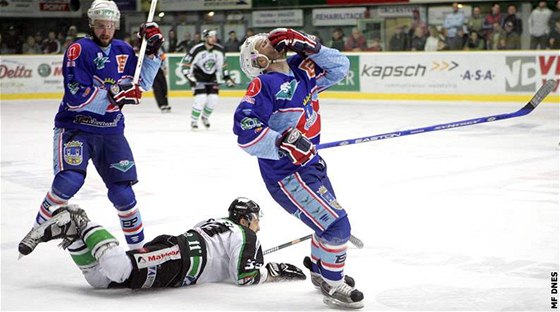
283 272
293 40
297 146
154 38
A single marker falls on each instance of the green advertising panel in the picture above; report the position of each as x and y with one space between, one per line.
177 82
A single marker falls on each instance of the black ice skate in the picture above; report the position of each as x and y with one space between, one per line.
194 125
205 122
317 279
65 223
342 296
165 108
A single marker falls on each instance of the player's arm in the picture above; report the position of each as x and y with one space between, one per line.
82 91
187 68
333 67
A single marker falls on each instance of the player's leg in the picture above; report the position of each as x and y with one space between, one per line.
212 91
308 195
115 164
200 98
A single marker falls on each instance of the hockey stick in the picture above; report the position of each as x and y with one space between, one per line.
142 51
288 244
543 91
353 239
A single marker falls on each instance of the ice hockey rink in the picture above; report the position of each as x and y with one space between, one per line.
463 219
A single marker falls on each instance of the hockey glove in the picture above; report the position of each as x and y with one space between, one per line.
283 272
293 40
125 94
297 146
154 38
229 82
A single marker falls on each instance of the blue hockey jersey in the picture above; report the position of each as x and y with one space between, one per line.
89 72
276 101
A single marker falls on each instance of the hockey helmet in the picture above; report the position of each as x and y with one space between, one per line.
105 10
208 33
244 208
249 56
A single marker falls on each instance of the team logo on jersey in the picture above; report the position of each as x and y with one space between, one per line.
287 90
123 165
209 65
73 153
72 53
121 62
254 88
250 123
100 61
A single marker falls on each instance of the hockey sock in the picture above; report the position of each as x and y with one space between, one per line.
198 106
209 107
97 239
65 184
81 255
122 196
332 257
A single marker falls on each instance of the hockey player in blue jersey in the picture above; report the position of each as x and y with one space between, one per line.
279 122
89 125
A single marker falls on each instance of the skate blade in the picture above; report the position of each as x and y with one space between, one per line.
335 303
60 219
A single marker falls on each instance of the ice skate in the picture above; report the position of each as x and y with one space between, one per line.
205 122
317 279
194 125
65 223
342 296
165 108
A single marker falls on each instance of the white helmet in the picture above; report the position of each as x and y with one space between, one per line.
104 10
248 56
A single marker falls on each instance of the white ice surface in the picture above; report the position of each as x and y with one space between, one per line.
460 219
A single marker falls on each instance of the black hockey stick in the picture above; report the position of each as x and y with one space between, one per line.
353 239
543 91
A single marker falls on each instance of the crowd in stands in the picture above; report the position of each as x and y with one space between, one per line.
496 30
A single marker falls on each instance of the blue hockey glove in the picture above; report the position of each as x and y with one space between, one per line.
297 146
283 272
154 38
293 40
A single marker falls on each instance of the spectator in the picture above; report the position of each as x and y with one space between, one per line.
171 41
509 39
337 39
432 42
317 36
232 44
494 40
475 42
3 49
452 23
417 22
538 26
12 41
554 17
248 33
31 46
418 40
512 18
186 44
69 40
375 45
356 42
39 39
196 39
495 16
51 45
72 33
476 22
399 40
554 39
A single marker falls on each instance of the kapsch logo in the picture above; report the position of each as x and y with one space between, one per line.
44 70
526 72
